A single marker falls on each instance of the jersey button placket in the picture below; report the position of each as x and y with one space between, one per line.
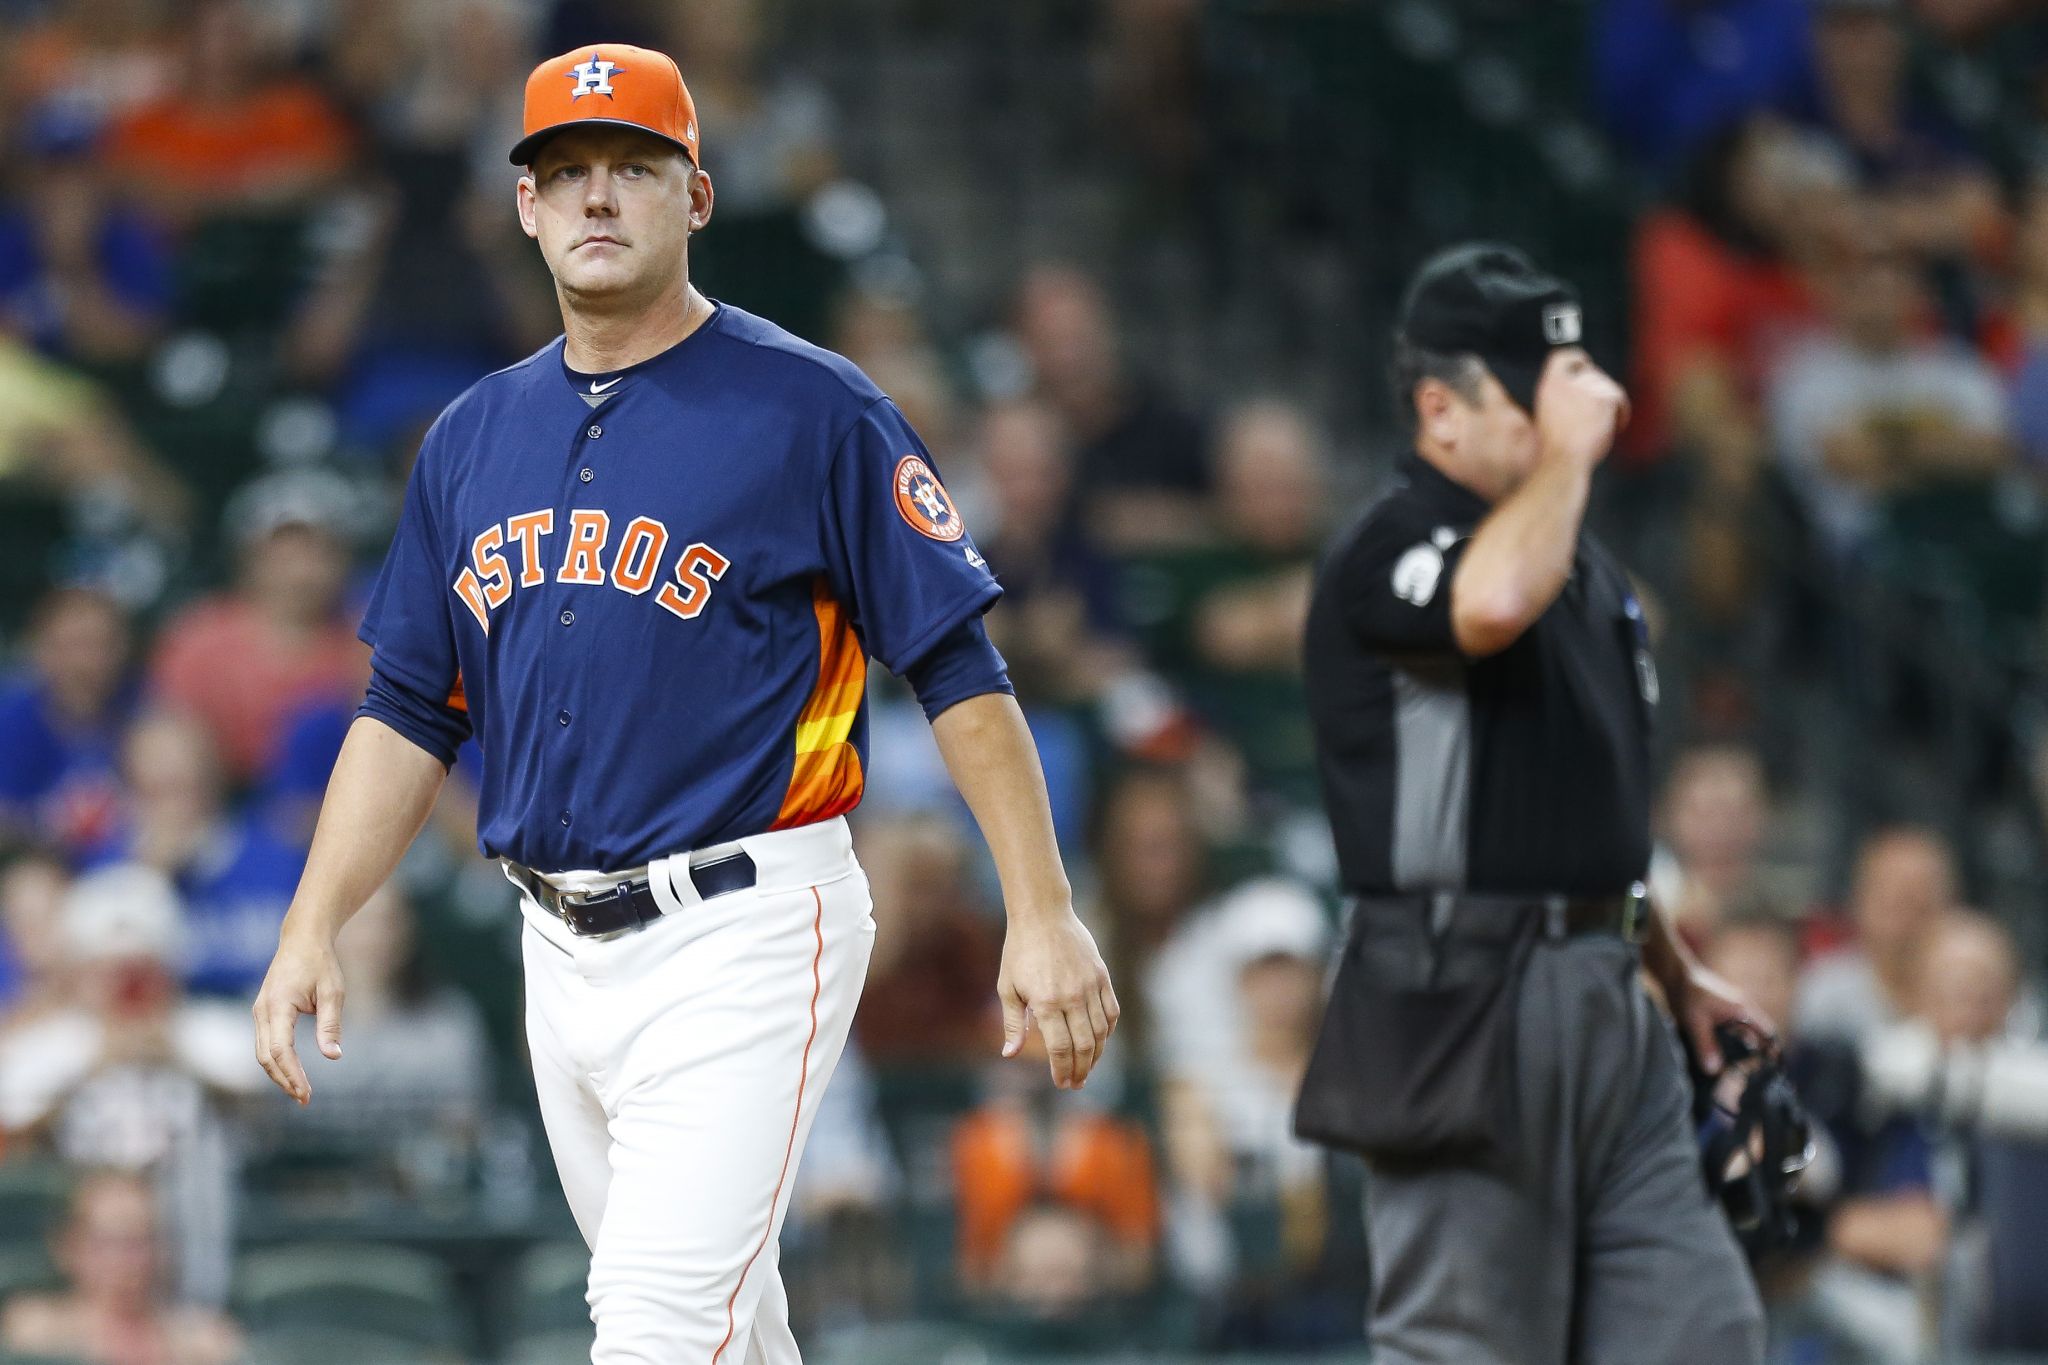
584 474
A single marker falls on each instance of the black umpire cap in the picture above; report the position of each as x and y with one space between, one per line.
1491 301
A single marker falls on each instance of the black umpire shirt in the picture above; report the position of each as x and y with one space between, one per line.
1526 771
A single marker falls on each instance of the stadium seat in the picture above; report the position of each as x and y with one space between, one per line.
32 1195
550 1348
552 1279
392 1292
25 1266
338 1346
892 1342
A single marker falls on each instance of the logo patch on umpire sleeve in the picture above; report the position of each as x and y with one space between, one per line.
923 501
1561 324
1416 574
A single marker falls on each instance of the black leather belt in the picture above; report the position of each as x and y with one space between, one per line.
629 904
1489 914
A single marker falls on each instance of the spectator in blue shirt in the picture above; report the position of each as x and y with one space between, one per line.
289 790
82 277
61 722
234 876
1924 186
1671 73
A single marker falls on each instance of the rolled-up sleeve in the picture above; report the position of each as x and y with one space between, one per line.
415 675
437 725
964 663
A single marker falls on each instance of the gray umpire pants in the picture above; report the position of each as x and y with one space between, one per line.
1596 1244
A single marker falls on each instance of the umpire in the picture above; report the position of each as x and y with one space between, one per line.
1481 686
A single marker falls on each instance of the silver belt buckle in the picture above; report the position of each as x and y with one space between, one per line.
1635 907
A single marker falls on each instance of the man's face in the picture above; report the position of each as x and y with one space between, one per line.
301 566
1763 963
1151 851
1904 882
1874 297
1282 992
1859 51
170 766
613 209
1024 455
109 1246
1066 327
80 651
1968 982
1270 482
1493 440
1717 807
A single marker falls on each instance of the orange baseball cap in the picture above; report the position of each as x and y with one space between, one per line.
634 87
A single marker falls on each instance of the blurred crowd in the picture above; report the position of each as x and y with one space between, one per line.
249 249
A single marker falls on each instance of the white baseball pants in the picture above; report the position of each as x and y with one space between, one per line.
679 1066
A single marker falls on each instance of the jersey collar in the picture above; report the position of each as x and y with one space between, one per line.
595 389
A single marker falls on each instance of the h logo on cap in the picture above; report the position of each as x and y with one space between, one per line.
1561 324
593 77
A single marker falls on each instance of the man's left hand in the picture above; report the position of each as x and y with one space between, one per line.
1702 1002
1052 971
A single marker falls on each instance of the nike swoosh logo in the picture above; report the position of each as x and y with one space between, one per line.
596 387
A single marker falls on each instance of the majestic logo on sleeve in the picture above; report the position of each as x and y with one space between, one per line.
594 77
510 554
924 503
1416 574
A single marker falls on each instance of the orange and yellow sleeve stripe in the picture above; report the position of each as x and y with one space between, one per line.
826 780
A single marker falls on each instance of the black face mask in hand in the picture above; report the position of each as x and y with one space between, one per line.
1755 1139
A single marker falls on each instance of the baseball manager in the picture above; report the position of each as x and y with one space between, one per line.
645 568
1482 690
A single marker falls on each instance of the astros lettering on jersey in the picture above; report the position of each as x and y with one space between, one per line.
653 593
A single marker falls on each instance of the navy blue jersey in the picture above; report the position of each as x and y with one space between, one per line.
651 595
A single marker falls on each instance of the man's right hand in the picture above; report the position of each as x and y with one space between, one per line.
304 978
1579 408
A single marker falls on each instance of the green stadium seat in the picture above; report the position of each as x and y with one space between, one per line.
891 1343
550 1348
551 1283
32 1198
338 1346
392 1292
26 1267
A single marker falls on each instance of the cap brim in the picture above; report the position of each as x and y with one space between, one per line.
523 150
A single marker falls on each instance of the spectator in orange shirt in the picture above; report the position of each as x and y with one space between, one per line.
237 131
244 660
1718 287
88 61
1720 291
1028 1146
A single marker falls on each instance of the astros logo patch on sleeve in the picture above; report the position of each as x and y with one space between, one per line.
924 502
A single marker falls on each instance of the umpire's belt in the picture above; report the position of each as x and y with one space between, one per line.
1499 915
631 902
